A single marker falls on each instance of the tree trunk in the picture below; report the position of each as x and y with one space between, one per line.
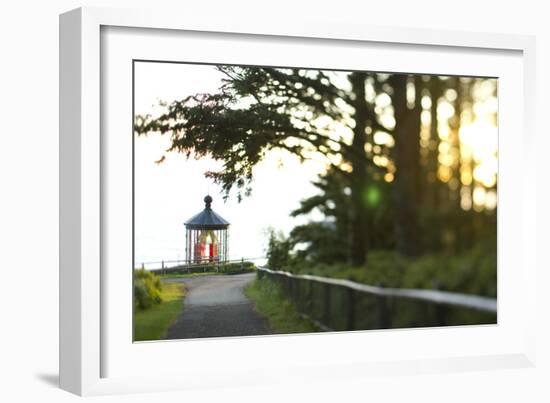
358 177
407 162
434 201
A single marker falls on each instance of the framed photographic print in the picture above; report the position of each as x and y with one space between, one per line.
258 201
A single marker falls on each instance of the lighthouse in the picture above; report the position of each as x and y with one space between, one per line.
206 236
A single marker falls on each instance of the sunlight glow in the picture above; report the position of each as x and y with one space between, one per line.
467 150
383 138
481 137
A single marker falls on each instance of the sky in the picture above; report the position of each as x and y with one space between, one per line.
169 193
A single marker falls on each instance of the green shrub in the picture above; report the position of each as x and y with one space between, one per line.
470 272
278 250
237 268
147 289
384 267
213 267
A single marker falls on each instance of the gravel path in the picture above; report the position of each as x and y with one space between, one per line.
215 306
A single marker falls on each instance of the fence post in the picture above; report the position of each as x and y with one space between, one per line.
296 289
162 267
351 309
326 314
440 309
382 310
289 288
441 314
143 266
309 297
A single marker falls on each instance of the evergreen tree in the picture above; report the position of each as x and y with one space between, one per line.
312 113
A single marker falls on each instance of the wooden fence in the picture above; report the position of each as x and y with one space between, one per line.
338 304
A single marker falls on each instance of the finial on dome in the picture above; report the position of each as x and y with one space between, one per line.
208 201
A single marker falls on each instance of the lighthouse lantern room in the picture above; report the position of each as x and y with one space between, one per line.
206 236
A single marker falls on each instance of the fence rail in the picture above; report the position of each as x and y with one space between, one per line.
346 305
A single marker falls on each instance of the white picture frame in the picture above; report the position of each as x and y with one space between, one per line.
83 178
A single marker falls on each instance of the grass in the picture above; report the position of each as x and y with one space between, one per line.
270 301
152 323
